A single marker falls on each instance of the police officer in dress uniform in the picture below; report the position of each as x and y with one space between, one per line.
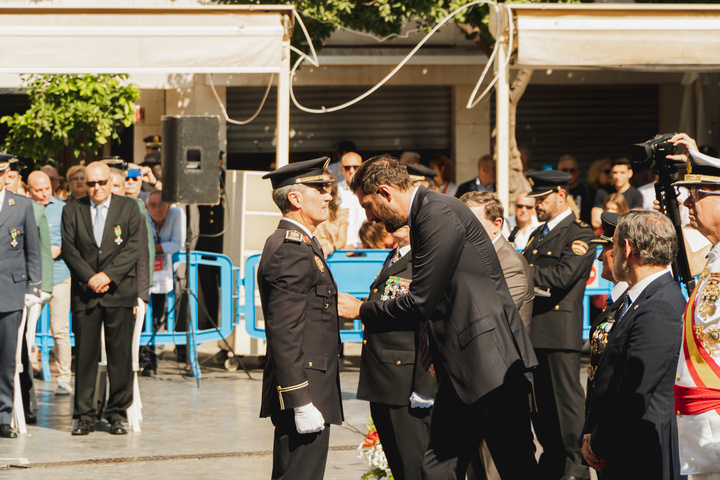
392 378
697 381
560 260
301 383
20 279
153 143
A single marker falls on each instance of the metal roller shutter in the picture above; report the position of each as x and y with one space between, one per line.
393 118
588 122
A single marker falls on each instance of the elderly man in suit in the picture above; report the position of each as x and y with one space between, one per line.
301 382
20 280
474 336
392 378
101 236
630 430
488 209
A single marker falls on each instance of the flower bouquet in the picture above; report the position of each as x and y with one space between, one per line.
371 450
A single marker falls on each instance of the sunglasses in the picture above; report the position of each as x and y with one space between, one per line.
527 207
347 168
102 183
698 194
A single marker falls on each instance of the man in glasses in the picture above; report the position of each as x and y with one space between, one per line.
301 383
101 241
525 221
697 381
560 261
349 163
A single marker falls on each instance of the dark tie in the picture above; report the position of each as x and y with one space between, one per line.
624 308
424 344
545 231
395 257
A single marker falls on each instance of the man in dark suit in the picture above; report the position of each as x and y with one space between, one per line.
101 236
484 182
488 209
392 378
474 336
20 280
560 260
630 431
301 382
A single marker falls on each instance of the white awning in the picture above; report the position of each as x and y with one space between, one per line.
632 36
137 40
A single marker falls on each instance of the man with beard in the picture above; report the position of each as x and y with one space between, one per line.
630 429
474 337
560 261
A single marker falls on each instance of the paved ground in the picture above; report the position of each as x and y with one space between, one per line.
189 431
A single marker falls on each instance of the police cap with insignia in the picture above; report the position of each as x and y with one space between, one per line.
153 141
16 165
5 161
609 223
701 170
114 161
548 181
419 173
307 171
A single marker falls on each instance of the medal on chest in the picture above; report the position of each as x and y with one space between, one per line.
118 232
710 295
319 264
14 234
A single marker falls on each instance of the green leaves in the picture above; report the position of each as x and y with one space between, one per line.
81 111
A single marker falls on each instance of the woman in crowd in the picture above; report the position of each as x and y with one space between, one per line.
445 170
76 182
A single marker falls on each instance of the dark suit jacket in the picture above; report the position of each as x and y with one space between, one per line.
20 265
630 416
518 278
470 186
390 367
116 256
299 302
558 264
459 287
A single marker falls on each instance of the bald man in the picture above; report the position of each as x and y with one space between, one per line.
101 241
40 189
349 163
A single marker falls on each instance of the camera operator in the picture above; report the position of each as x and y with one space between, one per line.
697 385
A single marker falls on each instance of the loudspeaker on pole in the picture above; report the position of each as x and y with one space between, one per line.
191 173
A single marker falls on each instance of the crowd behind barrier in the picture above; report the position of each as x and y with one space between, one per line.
353 273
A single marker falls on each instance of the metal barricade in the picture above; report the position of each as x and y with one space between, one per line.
353 270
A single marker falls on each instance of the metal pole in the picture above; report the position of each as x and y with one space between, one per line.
283 104
502 117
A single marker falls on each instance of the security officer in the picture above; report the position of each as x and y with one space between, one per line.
301 384
560 260
153 143
20 279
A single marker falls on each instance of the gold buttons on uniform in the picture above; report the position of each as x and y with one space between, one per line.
677 377
557 307
549 252
535 251
399 362
364 341
309 364
531 264
374 290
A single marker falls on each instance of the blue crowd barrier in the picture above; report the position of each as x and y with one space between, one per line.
353 274
226 321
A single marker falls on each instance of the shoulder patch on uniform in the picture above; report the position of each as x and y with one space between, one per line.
296 237
579 247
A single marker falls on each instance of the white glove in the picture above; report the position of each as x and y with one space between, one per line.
44 297
308 419
31 300
421 401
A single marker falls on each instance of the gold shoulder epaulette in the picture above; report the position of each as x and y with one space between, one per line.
296 237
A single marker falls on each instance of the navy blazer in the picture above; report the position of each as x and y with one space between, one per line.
630 411
458 285
20 262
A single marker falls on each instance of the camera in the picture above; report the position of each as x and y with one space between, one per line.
654 150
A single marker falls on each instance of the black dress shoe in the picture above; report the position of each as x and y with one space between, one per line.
117 428
30 419
6 431
84 427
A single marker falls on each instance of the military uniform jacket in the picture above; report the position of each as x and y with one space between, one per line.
116 256
458 285
20 264
390 366
299 303
560 263
630 415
